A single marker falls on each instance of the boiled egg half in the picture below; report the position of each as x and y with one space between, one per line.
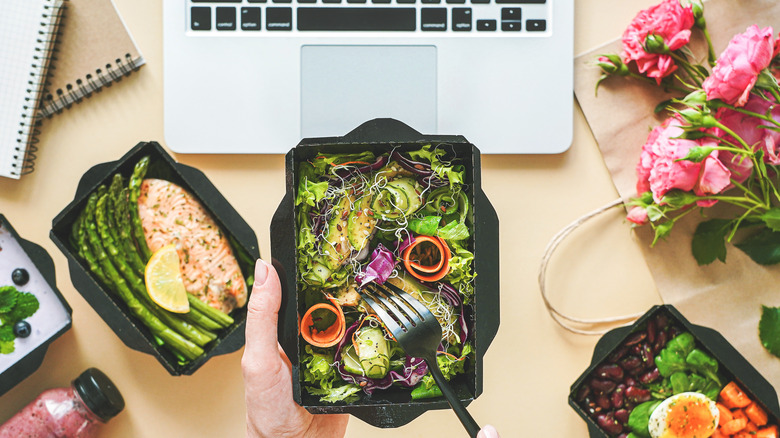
684 415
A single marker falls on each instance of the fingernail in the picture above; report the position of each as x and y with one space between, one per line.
261 272
490 431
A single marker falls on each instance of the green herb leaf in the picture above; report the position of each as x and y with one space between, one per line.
709 241
26 305
7 347
7 298
7 333
769 329
763 247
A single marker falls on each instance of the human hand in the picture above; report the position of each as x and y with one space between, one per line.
488 432
270 408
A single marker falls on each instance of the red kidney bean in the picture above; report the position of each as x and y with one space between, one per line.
660 341
609 424
651 330
637 395
617 354
650 376
630 363
602 386
635 338
590 407
603 401
617 396
647 356
630 381
661 321
622 415
610 371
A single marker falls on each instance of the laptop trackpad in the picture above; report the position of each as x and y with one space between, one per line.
344 86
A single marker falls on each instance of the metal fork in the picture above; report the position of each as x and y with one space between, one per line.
418 333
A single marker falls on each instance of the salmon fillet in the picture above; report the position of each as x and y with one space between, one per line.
171 215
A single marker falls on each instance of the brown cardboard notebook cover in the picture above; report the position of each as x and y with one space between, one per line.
94 49
724 296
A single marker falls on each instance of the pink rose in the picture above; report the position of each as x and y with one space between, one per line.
659 171
736 70
750 128
668 20
637 215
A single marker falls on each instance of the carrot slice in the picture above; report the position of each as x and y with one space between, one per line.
756 414
733 426
767 432
418 270
725 414
732 396
331 335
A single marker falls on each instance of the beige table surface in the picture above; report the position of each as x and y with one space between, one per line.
531 363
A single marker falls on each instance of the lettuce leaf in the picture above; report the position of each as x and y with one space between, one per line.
322 164
448 365
346 393
454 231
316 366
310 192
452 173
461 275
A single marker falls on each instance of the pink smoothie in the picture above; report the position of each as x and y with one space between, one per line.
56 413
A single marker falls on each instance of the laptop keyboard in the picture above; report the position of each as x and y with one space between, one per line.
424 17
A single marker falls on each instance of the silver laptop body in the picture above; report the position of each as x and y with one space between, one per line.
247 76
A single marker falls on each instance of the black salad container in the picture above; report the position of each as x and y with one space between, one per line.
732 365
392 407
42 267
111 308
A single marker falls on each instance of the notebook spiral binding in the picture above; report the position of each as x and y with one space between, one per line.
26 144
59 100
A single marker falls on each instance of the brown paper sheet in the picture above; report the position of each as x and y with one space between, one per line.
94 49
726 297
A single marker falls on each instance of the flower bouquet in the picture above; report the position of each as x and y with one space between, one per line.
720 141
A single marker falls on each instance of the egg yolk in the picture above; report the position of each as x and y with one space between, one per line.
689 417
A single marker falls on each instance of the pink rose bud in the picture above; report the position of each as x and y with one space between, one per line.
637 215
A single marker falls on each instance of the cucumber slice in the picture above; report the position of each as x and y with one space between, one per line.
361 224
408 187
349 357
390 203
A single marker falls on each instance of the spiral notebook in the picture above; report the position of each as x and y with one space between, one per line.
94 49
27 31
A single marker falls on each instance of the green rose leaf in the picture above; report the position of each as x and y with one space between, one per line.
763 247
772 219
679 198
769 329
709 241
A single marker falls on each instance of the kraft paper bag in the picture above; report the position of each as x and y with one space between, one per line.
724 296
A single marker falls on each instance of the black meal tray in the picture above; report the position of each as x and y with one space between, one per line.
114 311
30 363
392 407
732 364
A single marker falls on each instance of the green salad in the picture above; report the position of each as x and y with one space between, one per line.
402 217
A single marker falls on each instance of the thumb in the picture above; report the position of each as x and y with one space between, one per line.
263 315
488 432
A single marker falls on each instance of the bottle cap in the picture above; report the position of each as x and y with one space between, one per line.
99 394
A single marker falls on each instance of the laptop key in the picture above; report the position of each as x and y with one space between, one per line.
257 1
486 25
250 19
511 26
536 25
278 18
380 1
433 19
282 1
358 18
331 1
480 2
215 1
356 1
408 2
431 2
461 19
521 2
307 1
226 18
200 18
511 14
456 1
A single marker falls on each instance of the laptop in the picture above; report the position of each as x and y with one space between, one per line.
256 76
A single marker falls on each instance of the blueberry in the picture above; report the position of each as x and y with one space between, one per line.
20 276
22 329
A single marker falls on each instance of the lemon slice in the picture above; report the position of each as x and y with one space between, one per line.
164 282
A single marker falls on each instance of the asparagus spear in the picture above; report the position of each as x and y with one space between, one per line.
222 318
134 190
137 285
172 339
120 222
83 249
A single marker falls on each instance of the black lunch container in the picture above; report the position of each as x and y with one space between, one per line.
392 407
43 266
732 365
112 309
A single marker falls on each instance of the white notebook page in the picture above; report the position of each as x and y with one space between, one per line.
26 32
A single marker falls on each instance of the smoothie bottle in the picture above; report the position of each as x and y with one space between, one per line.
77 411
